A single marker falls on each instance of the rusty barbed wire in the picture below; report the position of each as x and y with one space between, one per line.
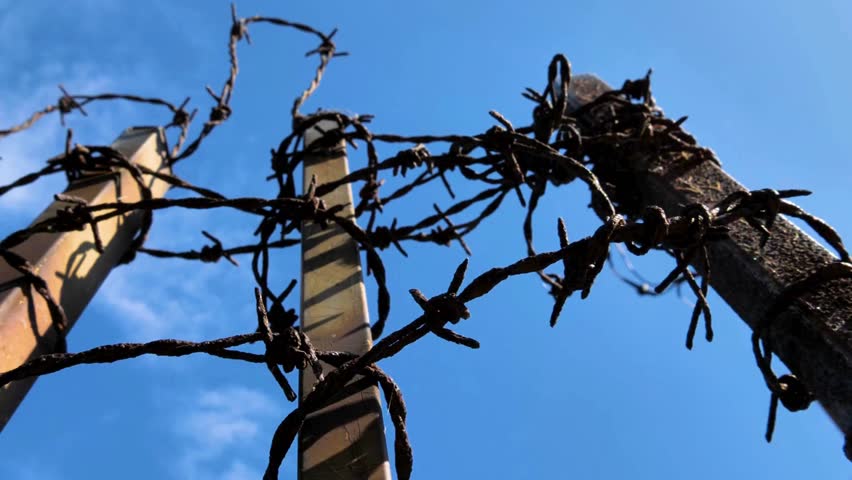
591 144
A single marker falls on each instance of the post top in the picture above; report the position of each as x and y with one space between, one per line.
320 129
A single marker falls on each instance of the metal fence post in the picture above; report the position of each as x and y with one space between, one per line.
69 263
814 336
345 440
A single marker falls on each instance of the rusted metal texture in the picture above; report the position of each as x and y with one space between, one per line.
814 336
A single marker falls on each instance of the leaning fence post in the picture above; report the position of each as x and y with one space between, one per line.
814 336
69 262
345 440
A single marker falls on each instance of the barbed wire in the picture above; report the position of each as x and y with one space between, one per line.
561 146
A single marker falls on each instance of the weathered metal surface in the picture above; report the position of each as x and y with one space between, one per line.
813 338
345 440
69 263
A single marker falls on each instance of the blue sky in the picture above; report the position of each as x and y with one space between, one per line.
612 392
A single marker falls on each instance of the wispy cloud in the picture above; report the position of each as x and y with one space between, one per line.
137 317
240 471
225 416
155 298
31 73
26 151
215 427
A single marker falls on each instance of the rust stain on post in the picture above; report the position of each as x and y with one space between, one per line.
69 263
814 337
345 440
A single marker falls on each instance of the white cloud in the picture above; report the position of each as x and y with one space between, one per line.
173 298
227 415
215 426
26 151
135 315
240 471
156 298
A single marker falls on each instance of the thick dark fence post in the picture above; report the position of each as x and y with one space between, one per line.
814 336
